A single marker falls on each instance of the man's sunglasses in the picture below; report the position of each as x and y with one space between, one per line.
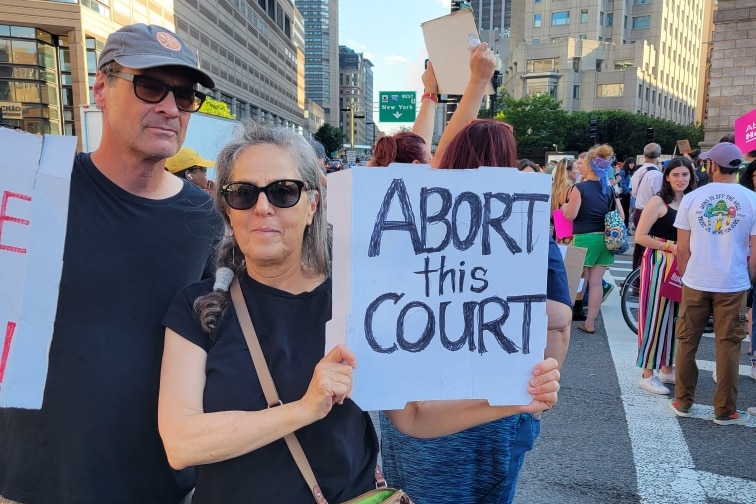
281 193
154 91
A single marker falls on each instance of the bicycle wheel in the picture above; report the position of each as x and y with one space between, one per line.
630 299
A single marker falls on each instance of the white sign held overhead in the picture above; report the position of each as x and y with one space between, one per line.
35 180
439 281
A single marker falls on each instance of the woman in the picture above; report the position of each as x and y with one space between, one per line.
403 147
188 164
212 413
589 202
623 181
561 184
657 314
481 464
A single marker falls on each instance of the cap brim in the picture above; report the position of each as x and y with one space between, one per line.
142 62
205 163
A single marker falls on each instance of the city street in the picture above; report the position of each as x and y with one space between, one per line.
607 441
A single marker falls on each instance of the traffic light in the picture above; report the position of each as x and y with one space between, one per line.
593 130
649 135
457 5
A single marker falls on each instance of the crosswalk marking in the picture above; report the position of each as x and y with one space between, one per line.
673 477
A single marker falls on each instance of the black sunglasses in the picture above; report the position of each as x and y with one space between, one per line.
281 193
152 90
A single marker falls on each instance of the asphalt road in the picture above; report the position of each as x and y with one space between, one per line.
607 441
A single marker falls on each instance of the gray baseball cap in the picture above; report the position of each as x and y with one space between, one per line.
140 46
725 154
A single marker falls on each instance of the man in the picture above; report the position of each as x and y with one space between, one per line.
644 184
188 164
136 235
716 227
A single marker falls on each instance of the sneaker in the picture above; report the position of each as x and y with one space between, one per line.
739 417
714 375
653 385
678 410
607 288
667 377
752 411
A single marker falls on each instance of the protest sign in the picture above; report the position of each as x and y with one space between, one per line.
745 131
439 281
34 186
448 41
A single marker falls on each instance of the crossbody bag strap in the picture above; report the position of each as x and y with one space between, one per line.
269 388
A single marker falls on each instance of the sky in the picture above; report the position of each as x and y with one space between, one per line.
388 33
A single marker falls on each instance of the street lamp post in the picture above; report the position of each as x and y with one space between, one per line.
352 117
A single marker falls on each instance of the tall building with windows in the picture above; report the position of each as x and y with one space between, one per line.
255 51
492 14
321 36
642 56
355 97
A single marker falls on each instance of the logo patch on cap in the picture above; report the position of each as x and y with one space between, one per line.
168 41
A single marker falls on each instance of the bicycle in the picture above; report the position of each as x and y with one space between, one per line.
630 299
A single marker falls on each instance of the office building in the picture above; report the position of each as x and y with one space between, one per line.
355 97
321 58
642 56
732 71
254 50
492 14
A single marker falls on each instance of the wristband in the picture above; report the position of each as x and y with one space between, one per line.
430 96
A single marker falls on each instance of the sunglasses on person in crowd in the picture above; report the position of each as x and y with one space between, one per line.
281 193
152 90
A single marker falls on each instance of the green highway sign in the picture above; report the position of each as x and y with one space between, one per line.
397 106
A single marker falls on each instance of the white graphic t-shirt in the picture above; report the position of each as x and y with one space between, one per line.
721 218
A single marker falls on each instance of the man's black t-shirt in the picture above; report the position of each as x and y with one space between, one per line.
342 448
95 440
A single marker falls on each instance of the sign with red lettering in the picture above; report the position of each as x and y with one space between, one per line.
440 277
35 179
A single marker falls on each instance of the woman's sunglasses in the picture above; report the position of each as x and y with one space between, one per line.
281 194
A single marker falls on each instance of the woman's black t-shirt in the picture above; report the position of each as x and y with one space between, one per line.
594 205
342 448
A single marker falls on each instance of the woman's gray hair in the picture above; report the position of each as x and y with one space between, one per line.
315 256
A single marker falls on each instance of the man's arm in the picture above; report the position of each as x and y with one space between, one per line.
683 251
752 261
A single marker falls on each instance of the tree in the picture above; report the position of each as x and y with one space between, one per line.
331 137
539 121
216 108
626 132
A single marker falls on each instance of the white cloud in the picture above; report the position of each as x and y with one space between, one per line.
354 45
396 59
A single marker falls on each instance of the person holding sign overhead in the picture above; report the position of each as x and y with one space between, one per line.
135 235
212 411
481 464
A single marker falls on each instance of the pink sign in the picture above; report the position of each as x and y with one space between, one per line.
745 131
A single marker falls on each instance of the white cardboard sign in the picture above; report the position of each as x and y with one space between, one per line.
35 179
439 281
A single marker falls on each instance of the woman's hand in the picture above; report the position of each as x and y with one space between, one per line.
331 382
673 248
430 84
482 63
544 386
